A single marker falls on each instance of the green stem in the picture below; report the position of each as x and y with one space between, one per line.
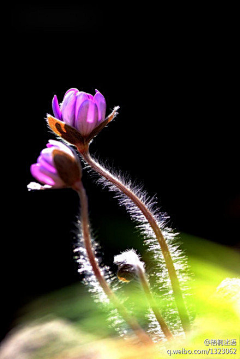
158 233
132 322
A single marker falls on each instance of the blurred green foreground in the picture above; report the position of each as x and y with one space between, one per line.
68 324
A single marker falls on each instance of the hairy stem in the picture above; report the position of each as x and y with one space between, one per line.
145 285
158 233
132 322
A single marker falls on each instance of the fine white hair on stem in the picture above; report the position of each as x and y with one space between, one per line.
159 276
84 267
154 328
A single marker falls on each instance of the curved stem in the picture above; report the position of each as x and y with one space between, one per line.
158 233
132 322
145 285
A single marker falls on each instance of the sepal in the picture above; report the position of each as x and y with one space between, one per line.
66 132
68 168
99 128
73 136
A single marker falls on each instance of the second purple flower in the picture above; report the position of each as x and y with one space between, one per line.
80 110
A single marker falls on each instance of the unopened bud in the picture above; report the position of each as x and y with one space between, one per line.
80 117
128 265
57 167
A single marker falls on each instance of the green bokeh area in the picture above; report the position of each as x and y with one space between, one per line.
217 313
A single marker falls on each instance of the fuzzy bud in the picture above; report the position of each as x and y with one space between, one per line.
128 265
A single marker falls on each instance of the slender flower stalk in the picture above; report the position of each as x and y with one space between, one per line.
132 322
129 264
154 225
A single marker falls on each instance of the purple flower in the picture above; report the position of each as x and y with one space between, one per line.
57 167
80 110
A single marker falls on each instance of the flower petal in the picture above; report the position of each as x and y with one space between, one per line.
74 90
87 117
80 98
59 145
45 177
68 108
101 104
46 161
56 108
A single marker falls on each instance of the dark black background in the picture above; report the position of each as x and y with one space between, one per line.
174 72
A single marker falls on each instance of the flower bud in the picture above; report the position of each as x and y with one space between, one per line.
57 167
79 117
128 265
126 272
80 110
